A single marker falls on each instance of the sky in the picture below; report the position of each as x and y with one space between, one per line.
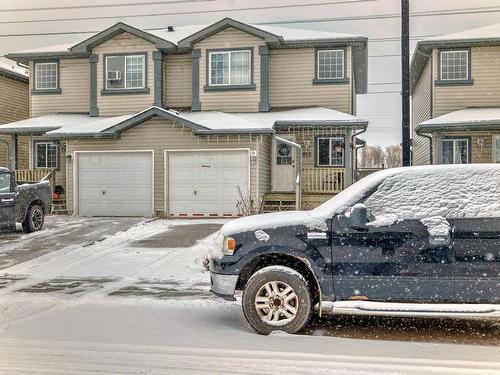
28 24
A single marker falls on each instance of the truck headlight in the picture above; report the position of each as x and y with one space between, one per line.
228 246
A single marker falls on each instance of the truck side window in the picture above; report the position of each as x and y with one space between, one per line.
4 183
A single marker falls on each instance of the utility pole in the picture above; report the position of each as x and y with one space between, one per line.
405 80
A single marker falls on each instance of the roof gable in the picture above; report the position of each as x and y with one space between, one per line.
217 27
115 30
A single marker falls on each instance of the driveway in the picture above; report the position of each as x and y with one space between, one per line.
59 232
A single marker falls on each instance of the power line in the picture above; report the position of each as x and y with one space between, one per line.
189 12
106 6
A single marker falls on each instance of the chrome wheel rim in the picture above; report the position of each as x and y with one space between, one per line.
276 303
36 218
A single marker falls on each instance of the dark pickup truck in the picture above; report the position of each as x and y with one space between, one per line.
25 203
415 241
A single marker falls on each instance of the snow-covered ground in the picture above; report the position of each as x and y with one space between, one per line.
118 306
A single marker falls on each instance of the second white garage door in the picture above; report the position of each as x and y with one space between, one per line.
206 182
115 184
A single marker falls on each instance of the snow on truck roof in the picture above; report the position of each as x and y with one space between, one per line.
449 190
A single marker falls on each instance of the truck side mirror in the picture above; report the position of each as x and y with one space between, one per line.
358 216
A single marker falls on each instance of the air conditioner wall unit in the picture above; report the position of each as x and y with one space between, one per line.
114 75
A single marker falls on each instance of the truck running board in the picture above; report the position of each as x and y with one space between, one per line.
395 309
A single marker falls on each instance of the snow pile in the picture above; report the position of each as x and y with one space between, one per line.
437 226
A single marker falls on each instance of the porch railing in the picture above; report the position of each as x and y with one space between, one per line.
323 180
36 175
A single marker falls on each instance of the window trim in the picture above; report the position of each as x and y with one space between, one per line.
57 90
35 154
316 153
224 87
457 138
124 91
329 81
494 148
453 82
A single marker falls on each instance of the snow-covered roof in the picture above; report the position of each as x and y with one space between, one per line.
10 67
481 33
467 118
208 122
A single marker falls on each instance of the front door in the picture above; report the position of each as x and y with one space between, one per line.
284 167
476 242
7 201
394 262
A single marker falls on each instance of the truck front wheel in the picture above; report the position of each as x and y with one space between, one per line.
277 298
34 219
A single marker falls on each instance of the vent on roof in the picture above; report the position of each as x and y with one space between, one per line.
170 28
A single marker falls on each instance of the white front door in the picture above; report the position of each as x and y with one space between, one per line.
115 183
207 183
283 167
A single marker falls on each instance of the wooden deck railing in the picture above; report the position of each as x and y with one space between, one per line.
36 175
323 180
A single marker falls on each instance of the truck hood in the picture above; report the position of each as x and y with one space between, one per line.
272 221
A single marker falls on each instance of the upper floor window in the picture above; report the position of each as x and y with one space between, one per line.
330 64
454 65
125 72
330 151
46 77
230 68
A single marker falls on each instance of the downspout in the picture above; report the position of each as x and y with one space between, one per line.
430 144
298 176
354 153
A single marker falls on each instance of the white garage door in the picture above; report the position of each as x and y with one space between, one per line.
206 182
115 184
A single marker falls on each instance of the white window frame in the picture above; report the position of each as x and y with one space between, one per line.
455 140
143 57
330 152
495 149
229 52
317 64
37 76
46 154
441 53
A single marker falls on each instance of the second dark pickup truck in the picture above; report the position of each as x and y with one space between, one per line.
25 203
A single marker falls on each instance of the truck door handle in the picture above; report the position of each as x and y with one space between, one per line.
9 200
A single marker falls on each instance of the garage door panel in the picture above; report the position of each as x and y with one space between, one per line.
115 184
214 175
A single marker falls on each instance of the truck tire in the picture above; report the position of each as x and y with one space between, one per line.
35 217
277 298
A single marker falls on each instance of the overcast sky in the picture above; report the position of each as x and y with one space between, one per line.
34 23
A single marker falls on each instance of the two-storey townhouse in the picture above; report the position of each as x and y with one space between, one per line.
13 107
456 98
197 120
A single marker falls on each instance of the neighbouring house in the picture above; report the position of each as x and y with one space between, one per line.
195 121
14 99
456 98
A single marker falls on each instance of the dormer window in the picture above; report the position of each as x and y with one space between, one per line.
454 67
229 69
330 66
125 73
46 77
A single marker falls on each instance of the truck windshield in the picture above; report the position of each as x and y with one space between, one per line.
4 183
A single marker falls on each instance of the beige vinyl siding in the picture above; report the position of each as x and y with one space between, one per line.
291 81
177 81
264 155
159 134
115 105
485 91
74 81
231 100
14 106
421 111
481 144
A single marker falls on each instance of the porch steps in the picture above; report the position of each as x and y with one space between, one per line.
274 202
